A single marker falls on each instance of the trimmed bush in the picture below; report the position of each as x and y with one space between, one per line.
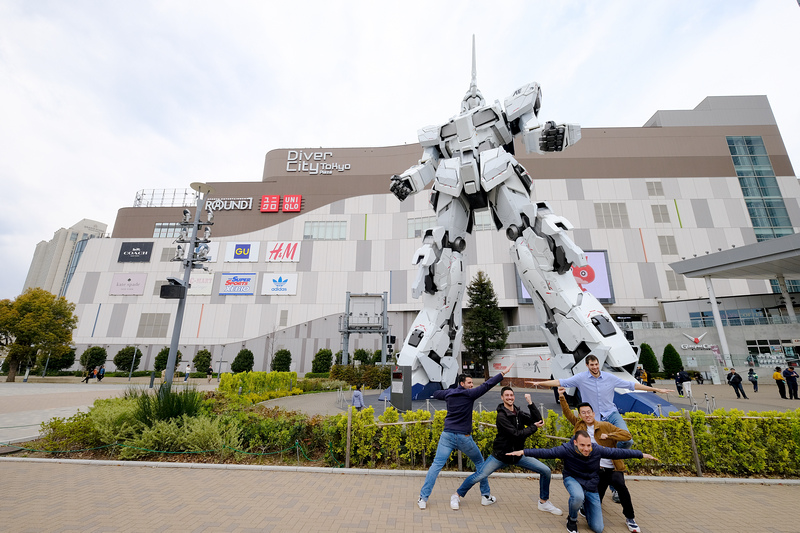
282 362
243 362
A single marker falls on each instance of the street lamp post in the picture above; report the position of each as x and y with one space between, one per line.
193 259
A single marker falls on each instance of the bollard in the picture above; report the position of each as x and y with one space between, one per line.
696 456
460 466
240 390
152 378
349 429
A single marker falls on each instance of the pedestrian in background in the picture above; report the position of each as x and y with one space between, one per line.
791 382
735 381
358 398
752 377
778 377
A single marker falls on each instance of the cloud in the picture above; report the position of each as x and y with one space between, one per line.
100 100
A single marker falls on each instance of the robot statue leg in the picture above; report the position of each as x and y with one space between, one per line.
573 320
432 345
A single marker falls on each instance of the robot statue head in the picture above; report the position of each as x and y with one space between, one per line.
473 98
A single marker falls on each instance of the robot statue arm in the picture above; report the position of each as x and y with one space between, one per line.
522 111
417 177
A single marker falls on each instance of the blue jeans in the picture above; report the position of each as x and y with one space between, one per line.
616 419
590 501
492 464
448 443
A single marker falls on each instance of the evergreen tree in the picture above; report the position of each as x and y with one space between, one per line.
282 362
93 357
484 330
202 360
163 357
243 362
647 358
322 362
363 356
376 357
124 358
671 360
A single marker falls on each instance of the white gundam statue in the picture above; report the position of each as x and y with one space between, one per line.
470 161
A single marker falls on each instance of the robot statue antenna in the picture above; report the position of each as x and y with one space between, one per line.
470 161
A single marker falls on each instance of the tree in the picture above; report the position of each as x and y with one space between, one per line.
94 356
362 356
322 362
58 358
202 360
339 357
484 330
124 358
243 362
376 357
282 362
671 360
163 357
34 321
648 358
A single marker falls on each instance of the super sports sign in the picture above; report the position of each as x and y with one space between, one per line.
240 284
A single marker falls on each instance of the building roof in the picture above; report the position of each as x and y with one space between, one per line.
762 260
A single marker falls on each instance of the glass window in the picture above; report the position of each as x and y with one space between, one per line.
611 215
675 281
660 214
667 245
654 188
333 230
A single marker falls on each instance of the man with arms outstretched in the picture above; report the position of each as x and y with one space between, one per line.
457 434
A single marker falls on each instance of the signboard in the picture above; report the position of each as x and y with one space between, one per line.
283 252
201 283
239 284
283 284
269 204
593 278
242 252
292 202
135 252
128 284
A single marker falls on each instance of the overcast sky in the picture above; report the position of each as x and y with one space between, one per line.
101 99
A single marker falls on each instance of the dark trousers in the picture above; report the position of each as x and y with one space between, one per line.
792 386
781 388
609 476
737 388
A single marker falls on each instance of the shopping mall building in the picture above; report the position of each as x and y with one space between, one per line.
689 186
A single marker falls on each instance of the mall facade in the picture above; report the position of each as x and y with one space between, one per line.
320 223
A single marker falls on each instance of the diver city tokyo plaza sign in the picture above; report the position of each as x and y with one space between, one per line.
313 163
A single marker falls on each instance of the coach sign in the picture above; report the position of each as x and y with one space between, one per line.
135 252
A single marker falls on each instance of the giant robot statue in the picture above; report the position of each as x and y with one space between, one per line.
470 160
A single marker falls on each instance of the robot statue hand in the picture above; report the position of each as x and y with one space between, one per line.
400 187
552 139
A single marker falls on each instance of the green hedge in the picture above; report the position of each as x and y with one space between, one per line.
317 375
257 382
371 376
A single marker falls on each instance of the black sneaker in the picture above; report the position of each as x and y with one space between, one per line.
615 497
582 512
572 526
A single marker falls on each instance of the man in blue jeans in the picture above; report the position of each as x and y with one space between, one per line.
514 426
581 473
597 389
457 432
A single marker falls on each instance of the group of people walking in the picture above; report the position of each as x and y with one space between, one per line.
592 458
786 380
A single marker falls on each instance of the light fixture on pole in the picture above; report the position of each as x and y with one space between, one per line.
177 288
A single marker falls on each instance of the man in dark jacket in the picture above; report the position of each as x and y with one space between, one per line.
582 474
457 433
735 381
514 426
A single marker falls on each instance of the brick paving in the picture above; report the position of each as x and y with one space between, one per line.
69 497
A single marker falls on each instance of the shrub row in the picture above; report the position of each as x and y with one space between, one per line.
371 376
257 382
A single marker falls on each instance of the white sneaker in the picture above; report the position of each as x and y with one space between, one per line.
422 503
454 499
488 500
550 508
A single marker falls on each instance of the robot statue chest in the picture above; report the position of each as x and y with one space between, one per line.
471 132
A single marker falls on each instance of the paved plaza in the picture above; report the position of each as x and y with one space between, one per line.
67 495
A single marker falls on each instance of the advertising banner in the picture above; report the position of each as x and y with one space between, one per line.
593 278
135 252
201 283
239 283
132 284
283 252
242 252
283 284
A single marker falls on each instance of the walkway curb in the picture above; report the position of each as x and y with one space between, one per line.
381 472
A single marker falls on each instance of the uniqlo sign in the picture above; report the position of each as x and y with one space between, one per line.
291 202
283 252
269 204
